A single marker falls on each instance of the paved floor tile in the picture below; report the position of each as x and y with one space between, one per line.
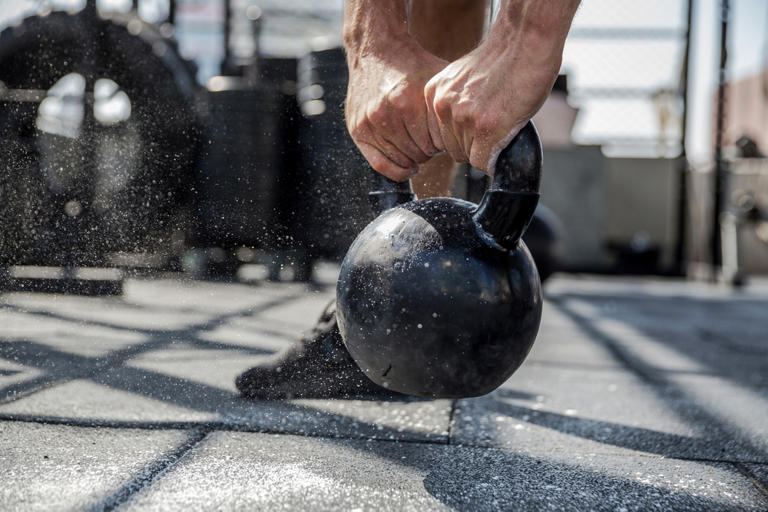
233 471
631 386
561 344
185 373
543 409
58 468
712 382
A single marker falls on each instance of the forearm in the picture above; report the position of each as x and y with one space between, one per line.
536 27
371 26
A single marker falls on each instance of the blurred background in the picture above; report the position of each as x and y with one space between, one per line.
207 136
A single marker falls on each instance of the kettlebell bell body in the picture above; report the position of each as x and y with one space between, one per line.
439 297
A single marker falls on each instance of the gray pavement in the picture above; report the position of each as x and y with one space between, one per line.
640 394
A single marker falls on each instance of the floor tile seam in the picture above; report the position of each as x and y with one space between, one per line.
211 427
153 472
452 419
607 367
761 487
633 453
620 368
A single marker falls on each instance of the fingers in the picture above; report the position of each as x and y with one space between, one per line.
390 135
433 124
434 130
440 121
483 156
383 155
412 130
452 145
381 163
420 134
390 150
442 113
387 118
390 147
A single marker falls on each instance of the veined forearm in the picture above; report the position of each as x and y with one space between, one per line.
543 22
370 25
531 34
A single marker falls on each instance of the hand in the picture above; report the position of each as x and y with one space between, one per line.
478 103
385 110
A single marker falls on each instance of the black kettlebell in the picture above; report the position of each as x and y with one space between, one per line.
439 297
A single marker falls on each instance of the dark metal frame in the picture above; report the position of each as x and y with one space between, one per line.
721 167
681 231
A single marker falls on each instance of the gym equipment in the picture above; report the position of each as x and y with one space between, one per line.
331 190
439 297
236 184
98 118
246 184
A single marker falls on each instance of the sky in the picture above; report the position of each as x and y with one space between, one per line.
290 28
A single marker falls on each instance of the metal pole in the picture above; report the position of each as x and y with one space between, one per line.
720 165
682 204
227 28
172 12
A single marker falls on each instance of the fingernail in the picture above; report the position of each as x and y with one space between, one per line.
414 169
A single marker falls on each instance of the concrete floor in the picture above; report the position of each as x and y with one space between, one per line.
639 395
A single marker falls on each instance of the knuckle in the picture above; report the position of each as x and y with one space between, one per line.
378 117
463 117
357 132
464 114
400 101
442 106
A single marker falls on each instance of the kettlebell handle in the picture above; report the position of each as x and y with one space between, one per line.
507 206
389 193
518 168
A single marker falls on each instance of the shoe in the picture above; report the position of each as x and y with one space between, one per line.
317 366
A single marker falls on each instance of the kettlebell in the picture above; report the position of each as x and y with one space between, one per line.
440 297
